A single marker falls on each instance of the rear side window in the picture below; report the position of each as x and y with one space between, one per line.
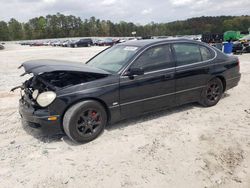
187 54
205 53
155 58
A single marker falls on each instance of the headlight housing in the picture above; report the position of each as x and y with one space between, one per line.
35 94
46 98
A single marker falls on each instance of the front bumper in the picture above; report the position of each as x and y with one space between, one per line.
37 117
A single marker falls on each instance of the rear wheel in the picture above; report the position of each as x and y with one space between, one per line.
85 121
212 93
76 46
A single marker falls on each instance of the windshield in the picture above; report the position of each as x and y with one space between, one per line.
114 58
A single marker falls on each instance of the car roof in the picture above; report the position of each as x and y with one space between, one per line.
149 42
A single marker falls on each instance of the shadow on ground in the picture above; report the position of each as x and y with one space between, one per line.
54 134
151 116
44 134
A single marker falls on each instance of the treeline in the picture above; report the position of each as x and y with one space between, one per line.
59 26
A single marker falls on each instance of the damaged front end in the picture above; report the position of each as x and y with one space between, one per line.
38 92
49 77
50 82
36 96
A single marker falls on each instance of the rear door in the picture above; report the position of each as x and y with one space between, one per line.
153 90
193 69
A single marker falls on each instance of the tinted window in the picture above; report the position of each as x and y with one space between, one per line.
155 58
187 54
205 53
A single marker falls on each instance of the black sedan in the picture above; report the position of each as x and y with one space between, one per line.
123 81
81 43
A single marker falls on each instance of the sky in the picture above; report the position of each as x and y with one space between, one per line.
140 12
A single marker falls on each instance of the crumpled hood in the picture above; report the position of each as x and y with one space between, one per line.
47 65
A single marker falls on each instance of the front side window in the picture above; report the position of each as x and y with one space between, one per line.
187 53
155 58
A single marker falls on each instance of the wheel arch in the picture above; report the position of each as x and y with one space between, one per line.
85 99
223 80
202 100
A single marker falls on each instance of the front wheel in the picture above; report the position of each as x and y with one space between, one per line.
212 93
85 121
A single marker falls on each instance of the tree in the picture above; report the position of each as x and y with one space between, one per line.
59 25
15 29
27 31
4 31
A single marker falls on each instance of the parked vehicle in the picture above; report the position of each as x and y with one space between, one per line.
25 43
212 38
36 43
146 37
217 45
245 38
67 43
132 38
47 43
97 42
105 42
117 41
62 42
82 43
237 48
56 43
246 47
121 41
123 81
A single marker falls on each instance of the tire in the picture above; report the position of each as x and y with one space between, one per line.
79 119
212 93
75 46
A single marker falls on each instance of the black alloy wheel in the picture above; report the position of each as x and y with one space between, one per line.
88 122
212 93
85 121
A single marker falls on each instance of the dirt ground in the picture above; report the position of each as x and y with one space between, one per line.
188 146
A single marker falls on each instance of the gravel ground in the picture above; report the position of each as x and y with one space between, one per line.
188 146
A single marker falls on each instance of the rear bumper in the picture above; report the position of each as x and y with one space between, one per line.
37 118
232 82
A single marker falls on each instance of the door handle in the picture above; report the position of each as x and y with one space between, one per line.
168 76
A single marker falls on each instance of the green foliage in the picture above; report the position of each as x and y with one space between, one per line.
4 31
59 26
15 29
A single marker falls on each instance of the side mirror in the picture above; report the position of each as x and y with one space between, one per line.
134 72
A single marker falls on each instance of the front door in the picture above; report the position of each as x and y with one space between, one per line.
153 90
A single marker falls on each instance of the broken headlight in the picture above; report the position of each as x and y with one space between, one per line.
35 94
46 98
